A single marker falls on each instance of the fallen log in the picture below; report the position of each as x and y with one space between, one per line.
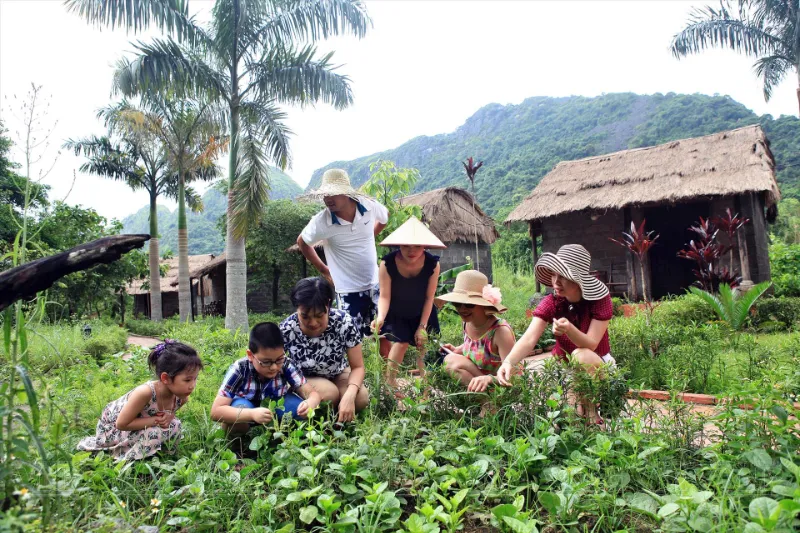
26 280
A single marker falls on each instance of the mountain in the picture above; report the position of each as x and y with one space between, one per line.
204 235
521 143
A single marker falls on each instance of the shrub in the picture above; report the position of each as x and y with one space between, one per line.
683 310
146 328
617 304
785 311
784 262
105 340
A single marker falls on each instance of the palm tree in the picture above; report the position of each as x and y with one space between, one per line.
136 158
764 29
189 133
249 58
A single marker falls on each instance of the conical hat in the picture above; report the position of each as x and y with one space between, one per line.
413 233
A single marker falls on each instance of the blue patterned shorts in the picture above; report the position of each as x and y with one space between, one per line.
361 306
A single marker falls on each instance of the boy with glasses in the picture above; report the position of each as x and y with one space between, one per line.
265 374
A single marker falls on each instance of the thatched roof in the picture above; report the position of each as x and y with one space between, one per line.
449 214
169 282
723 164
208 267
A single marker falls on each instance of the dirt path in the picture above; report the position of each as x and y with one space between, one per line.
138 340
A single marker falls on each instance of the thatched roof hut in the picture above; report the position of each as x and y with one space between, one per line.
449 214
591 200
723 164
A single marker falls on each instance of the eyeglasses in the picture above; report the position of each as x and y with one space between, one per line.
459 305
266 364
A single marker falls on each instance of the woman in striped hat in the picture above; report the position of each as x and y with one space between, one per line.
578 310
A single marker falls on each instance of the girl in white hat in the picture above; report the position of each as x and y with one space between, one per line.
408 279
579 311
488 339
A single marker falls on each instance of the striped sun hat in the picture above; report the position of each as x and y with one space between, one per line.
572 261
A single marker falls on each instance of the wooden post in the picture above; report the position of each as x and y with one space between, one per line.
744 257
305 267
202 298
534 252
192 297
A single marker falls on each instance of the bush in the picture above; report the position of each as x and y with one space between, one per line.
784 262
105 340
146 328
785 311
616 306
685 310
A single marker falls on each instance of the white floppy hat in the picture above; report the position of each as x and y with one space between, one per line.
335 181
413 233
572 261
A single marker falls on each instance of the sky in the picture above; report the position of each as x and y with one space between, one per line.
423 69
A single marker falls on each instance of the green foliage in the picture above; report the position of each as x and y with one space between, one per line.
520 143
616 306
105 341
389 185
147 328
447 460
686 310
733 309
784 262
783 312
270 267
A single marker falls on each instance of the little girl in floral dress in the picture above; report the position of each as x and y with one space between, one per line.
136 425
487 338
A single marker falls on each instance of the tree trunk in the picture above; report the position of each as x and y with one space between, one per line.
155 273
184 287
236 259
475 228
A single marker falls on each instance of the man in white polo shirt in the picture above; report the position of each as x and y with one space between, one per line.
347 228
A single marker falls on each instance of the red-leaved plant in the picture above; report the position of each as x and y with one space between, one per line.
706 253
638 242
730 225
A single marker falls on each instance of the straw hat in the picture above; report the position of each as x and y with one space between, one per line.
413 233
335 181
572 261
472 287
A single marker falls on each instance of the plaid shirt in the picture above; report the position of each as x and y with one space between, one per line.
243 381
581 315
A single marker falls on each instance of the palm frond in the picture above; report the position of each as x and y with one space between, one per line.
312 20
711 300
267 118
251 185
728 302
194 201
237 22
170 15
746 301
165 66
294 76
110 161
772 70
712 28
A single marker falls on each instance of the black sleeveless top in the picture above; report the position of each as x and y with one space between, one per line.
408 294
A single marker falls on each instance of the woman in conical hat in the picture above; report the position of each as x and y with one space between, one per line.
487 338
408 280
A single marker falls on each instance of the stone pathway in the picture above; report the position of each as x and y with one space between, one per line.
138 340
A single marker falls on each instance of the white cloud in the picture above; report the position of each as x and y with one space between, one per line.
423 69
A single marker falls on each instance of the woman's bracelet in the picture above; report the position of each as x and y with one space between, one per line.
353 385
